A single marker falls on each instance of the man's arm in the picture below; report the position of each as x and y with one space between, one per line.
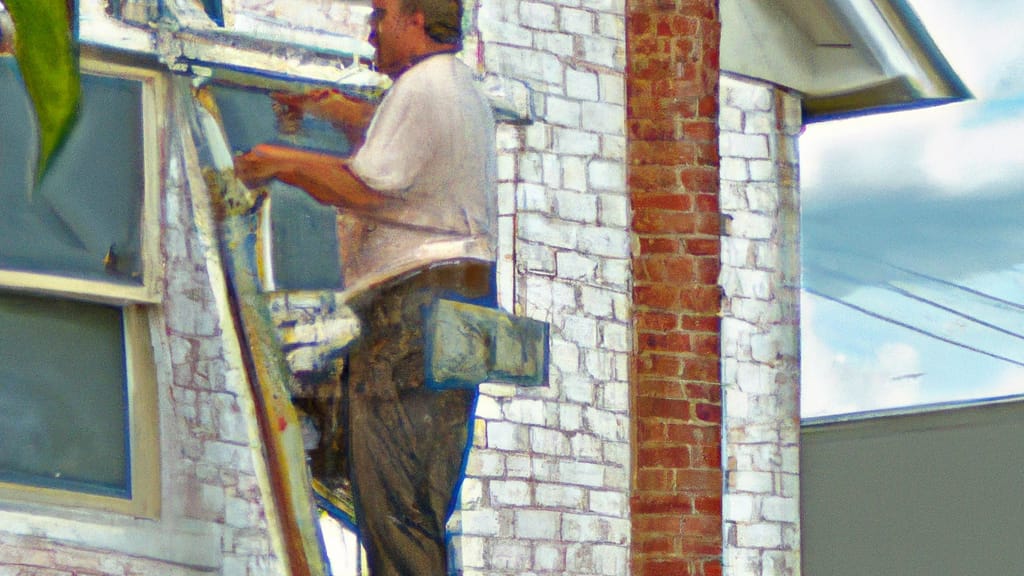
326 178
350 115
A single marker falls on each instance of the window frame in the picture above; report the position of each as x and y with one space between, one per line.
153 99
142 426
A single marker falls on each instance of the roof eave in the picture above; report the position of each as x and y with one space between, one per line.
847 57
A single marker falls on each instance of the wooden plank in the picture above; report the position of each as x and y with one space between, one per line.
265 365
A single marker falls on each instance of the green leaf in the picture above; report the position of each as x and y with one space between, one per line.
47 54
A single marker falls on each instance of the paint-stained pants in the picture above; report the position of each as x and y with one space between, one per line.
407 442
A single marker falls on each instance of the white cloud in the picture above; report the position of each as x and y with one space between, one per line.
953 150
868 155
1009 383
981 41
959 159
835 383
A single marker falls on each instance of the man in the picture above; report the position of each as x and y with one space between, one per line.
419 198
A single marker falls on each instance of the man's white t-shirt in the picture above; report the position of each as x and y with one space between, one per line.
430 150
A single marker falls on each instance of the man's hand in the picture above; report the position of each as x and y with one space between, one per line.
323 176
350 115
328 104
261 164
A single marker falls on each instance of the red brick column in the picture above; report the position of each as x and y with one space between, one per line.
671 85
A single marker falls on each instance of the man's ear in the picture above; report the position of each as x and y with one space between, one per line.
419 20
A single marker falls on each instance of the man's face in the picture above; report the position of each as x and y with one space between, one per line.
390 34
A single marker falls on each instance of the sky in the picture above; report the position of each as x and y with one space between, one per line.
913 234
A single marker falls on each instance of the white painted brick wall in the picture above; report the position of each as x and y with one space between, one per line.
207 406
550 470
760 349
547 480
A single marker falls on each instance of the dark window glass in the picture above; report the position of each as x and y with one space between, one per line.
304 240
63 395
84 220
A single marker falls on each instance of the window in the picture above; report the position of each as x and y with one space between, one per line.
77 264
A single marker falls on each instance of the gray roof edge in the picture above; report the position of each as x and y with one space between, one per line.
940 67
922 409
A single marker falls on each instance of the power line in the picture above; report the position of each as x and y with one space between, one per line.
885 263
961 287
912 328
922 299
953 311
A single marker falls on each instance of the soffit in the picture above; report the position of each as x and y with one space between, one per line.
846 57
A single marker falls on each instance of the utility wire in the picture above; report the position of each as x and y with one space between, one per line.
924 300
953 311
908 294
918 274
912 328
967 289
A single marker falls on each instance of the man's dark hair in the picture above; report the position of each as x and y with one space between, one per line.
442 18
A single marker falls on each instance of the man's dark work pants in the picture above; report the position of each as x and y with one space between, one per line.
407 441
